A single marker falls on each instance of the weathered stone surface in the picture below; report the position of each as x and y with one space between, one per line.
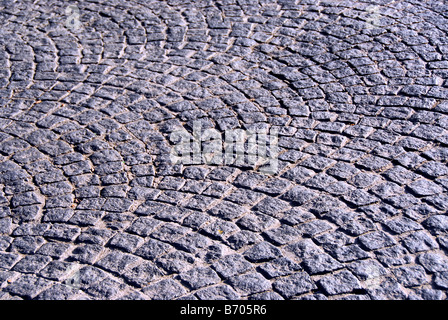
411 276
200 277
349 204
231 265
250 283
341 282
164 290
295 284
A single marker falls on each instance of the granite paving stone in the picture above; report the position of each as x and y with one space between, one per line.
318 138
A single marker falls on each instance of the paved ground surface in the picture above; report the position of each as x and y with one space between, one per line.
90 208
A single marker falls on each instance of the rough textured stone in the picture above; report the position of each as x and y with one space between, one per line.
279 267
220 292
200 277
250 283
164 290
419 241
318 133
231 265
28 286
321 263
411 276
433 262
116 262
341 282
293 285
376 240
262 252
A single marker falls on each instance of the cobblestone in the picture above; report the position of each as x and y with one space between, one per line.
341 282
92 208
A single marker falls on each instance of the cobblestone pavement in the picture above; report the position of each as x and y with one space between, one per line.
90 207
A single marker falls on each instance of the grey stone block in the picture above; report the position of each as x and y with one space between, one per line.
294 285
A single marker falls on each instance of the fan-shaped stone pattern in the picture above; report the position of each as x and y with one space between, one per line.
90 206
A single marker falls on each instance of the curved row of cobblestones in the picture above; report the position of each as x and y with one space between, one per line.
91 208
